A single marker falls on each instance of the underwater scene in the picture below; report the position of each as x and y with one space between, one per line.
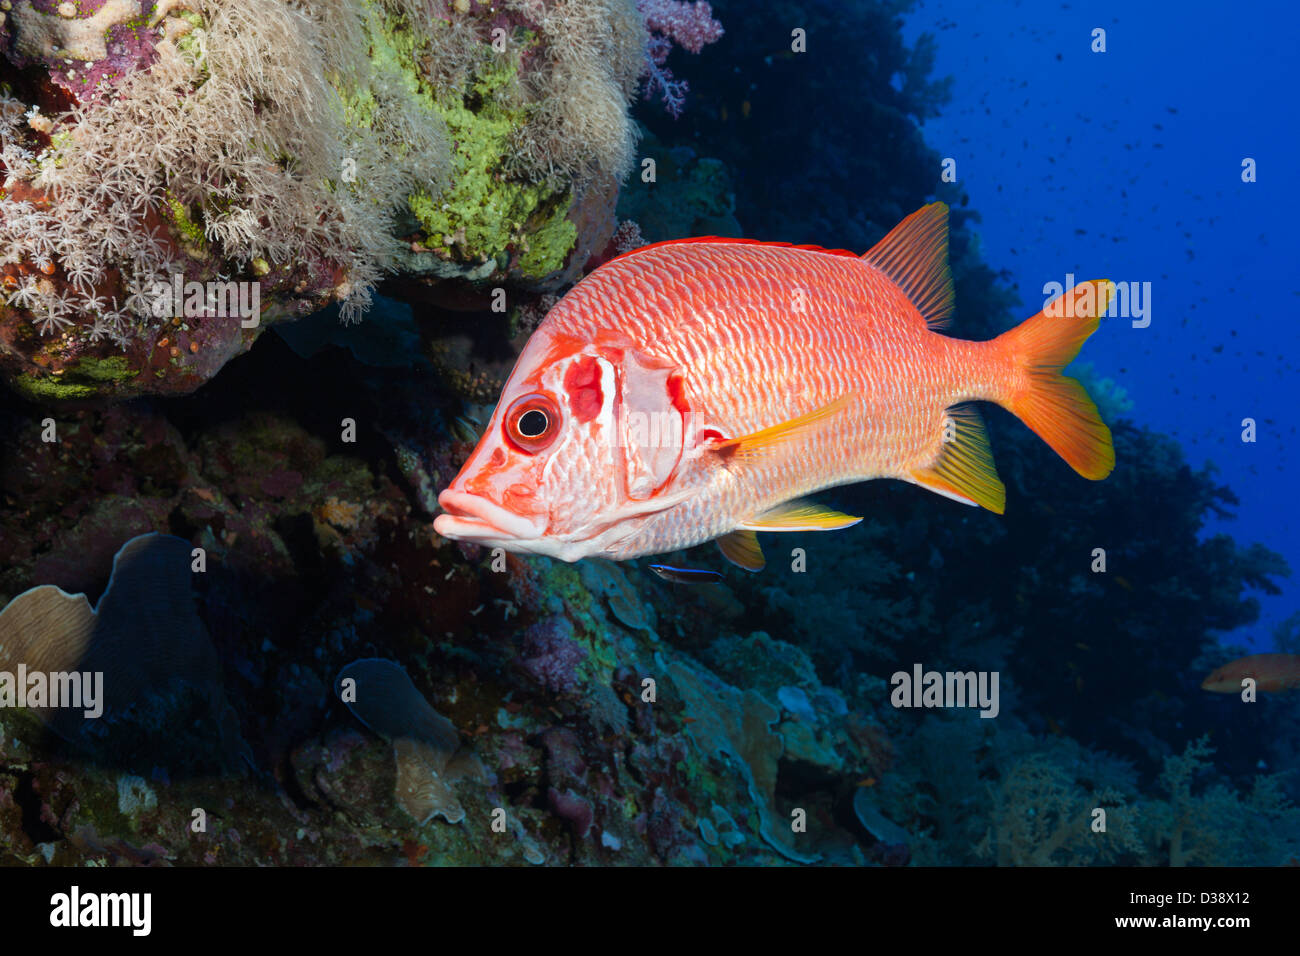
547 433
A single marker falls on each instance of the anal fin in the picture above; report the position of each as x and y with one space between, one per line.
964 470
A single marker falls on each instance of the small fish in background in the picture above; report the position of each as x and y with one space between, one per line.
1273 673
468 426
685 575
697 389
466 429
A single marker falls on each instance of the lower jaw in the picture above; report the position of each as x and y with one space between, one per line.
459 528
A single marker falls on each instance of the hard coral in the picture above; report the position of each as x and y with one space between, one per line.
146 641
726 721
426 746
40 34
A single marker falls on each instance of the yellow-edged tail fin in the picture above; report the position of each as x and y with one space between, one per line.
1056 406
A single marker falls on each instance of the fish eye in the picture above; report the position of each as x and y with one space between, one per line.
532 422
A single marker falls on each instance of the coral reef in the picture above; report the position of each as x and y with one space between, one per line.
316 563
263 159
426 748
320 555
690 195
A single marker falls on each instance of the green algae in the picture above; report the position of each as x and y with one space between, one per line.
548 246
190 232
86 379
188 43
483 214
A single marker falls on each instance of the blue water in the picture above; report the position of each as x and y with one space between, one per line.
1127 164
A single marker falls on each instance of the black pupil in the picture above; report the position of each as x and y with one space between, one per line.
533 423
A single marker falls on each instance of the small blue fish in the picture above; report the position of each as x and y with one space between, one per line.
685 575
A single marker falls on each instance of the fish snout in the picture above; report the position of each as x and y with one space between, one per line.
470 517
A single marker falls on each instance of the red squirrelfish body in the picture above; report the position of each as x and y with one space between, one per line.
697 389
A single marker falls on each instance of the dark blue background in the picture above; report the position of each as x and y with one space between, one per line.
1127 165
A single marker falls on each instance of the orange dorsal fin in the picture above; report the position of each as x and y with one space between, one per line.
915 256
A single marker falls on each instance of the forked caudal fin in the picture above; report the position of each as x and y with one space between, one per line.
1056 406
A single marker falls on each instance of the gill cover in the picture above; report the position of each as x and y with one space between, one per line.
646 418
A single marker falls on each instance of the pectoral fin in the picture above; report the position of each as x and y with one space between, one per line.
765 441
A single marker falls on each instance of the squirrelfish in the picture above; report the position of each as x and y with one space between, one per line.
1273 673
697 389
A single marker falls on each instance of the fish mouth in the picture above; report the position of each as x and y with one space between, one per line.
472 518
